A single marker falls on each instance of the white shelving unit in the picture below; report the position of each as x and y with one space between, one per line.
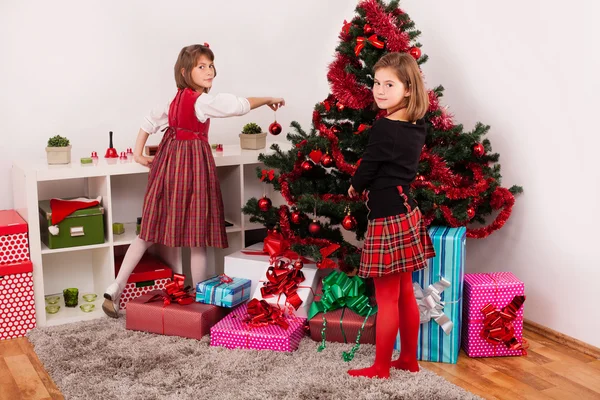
122 187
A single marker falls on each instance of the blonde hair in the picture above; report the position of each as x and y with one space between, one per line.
187 60
407 71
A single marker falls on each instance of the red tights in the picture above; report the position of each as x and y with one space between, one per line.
397 309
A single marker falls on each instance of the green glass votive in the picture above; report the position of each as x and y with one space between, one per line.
52 308
71 296
89 297
87 307
52 299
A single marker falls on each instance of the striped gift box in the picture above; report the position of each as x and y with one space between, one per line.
219 293
449 264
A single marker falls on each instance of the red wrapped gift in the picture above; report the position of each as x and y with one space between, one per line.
14 241
192 320
17 303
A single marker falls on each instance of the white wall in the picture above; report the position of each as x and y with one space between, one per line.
530 70
526 68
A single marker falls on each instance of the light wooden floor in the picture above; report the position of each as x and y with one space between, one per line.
549 371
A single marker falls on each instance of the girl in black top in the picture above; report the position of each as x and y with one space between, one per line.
397 242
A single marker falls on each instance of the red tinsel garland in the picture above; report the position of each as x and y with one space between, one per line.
434 101
345 87
385 25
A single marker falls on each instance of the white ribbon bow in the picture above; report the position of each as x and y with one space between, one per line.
431 304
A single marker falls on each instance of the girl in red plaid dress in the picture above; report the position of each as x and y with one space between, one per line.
397 242
183 206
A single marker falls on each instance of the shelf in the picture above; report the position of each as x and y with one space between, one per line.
67 314
127 237
46 250
234 228
253 225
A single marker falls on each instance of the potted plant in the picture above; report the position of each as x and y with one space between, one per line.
58 150
252 137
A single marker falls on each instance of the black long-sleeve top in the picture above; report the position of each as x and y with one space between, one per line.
391 159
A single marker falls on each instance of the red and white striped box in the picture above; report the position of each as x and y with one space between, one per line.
14 241
150 274
17 303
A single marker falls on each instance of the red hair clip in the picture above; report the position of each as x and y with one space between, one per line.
206 45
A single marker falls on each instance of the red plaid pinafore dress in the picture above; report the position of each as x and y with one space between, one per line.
399 243
183 206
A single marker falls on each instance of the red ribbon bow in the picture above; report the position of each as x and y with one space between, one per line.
362 128
283 279
261 313
175 292
267 174
346 27
326 252
498 324
225 278
361 42
206 45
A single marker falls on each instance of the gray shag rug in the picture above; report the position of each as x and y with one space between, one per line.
100 359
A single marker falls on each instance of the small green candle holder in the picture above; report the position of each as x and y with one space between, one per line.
52 299
118 228
52 308
87 307
71 296
90 297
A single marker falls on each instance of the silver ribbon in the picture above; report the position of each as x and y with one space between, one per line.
431 304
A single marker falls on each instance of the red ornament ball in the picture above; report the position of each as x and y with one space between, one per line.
470 212
327 161
478 150
349 222
298 264
307 166
316 156
340 107
275 128
314 228
264 204
296 217
415 52
368 29
336 129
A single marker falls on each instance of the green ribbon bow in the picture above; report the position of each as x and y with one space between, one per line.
339 291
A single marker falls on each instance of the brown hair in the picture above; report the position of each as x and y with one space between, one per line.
188 59
407 71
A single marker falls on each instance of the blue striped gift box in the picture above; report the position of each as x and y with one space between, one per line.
213 291
449 263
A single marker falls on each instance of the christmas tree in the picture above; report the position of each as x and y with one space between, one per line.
458 181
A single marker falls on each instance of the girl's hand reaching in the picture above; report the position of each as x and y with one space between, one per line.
352 193
145 161
276 102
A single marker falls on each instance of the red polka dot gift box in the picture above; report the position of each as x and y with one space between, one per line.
493 315
14 241
17 305
150 274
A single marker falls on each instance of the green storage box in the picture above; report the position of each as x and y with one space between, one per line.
81 228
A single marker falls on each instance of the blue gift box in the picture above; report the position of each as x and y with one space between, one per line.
441 284
219 292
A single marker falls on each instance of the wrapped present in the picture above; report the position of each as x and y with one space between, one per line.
223 291
14 240
258 325
162 313
150 274
493 315
439 293
342 312
17 303
290 288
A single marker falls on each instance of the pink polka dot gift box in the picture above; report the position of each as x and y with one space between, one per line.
493 315
233 332
150 274
17 305
14 241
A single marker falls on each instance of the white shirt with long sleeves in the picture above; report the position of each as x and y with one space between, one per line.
207 106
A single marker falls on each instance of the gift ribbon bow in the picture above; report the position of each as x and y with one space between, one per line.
275 245
174 292
498 324
270 174
261 313
361 41
431 304
326 252
283 280
339 290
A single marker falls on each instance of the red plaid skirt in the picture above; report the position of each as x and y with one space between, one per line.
395 244
183 206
